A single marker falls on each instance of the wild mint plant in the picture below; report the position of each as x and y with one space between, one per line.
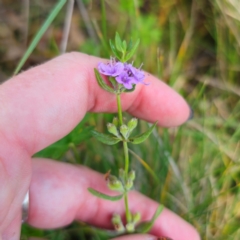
123 77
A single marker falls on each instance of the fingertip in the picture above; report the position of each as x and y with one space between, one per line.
160 102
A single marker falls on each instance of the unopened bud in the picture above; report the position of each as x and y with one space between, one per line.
121 174
129 184
131 175
114 184
136 217
112 178
115 121
130 227
132 124
124 131
117 223
112 129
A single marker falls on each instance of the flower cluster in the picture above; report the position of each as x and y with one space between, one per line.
124 73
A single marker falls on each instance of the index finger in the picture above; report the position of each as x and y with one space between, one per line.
43 104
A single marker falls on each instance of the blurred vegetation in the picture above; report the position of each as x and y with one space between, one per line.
194 46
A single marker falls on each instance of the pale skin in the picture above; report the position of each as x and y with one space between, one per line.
43 104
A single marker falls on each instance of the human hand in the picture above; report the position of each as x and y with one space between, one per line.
43 104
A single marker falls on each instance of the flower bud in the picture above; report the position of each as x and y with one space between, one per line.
115 121
124 131
129 184
136 217
113 129
132 124
121 174
116 218
117 223
130 227
131 175
114 184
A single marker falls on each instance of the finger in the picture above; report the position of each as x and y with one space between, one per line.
15 175
12 232
41 105
58 195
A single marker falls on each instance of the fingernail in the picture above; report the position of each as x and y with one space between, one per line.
191 114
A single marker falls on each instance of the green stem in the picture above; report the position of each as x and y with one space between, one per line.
119 109
125 148
128 214
126 156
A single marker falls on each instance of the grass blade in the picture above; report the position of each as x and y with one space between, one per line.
145 165
39 34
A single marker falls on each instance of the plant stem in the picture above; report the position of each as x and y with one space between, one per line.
128 214
126 156
119 109
125 148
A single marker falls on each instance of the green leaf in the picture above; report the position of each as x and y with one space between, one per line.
124 45
114 50
145 165
113 82
142 137
104 196
145 227
118 42
105 138
101 82
130 45
132 51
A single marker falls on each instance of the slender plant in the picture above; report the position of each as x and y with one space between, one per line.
123 77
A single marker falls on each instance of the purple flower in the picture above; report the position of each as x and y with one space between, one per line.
129 76
137 75
112 68
124 79
124 73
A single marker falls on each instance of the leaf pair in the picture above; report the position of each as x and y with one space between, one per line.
143 227
111 140
127 50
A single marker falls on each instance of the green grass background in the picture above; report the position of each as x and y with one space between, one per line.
193 46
